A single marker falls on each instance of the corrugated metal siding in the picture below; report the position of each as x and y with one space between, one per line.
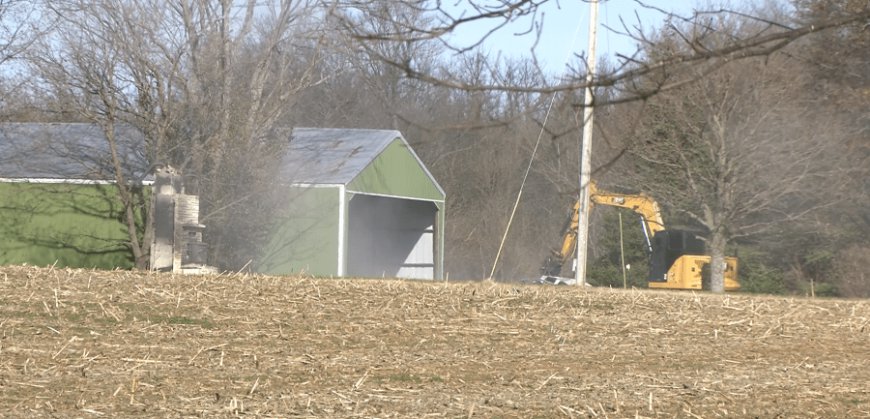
420 263
305 236
395 172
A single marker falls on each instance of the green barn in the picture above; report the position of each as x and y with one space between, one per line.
358 203
354 202
58 200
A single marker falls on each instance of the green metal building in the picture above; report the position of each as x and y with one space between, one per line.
353 202
358 203
58 202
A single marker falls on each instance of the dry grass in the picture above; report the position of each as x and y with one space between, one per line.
77 343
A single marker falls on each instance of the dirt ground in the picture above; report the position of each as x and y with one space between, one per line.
78 343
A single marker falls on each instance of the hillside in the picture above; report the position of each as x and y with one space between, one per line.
89 344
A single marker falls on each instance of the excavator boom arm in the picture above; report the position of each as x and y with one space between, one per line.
553 264
680 265
641 204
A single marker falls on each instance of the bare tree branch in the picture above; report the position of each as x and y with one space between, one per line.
753 45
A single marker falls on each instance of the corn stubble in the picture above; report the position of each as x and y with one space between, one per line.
89 344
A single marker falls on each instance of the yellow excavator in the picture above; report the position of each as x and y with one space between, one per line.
677 258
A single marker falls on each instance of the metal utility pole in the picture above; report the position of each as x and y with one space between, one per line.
586 148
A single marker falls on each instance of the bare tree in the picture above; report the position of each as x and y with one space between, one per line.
205 82
696 49
438 21
94 79
19 28
835 64
739 152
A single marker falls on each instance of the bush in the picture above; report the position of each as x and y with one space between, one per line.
759 276
850 271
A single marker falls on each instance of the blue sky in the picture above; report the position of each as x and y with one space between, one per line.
565 30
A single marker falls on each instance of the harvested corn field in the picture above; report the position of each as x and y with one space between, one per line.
90 344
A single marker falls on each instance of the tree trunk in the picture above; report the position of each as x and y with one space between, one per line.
139 256
717 261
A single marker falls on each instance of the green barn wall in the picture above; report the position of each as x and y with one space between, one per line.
305 234
67 225
395 172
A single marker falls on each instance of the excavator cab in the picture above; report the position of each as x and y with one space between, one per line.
667 247
679 261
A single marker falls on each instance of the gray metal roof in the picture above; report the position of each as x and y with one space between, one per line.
332 155
80 151
68 151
